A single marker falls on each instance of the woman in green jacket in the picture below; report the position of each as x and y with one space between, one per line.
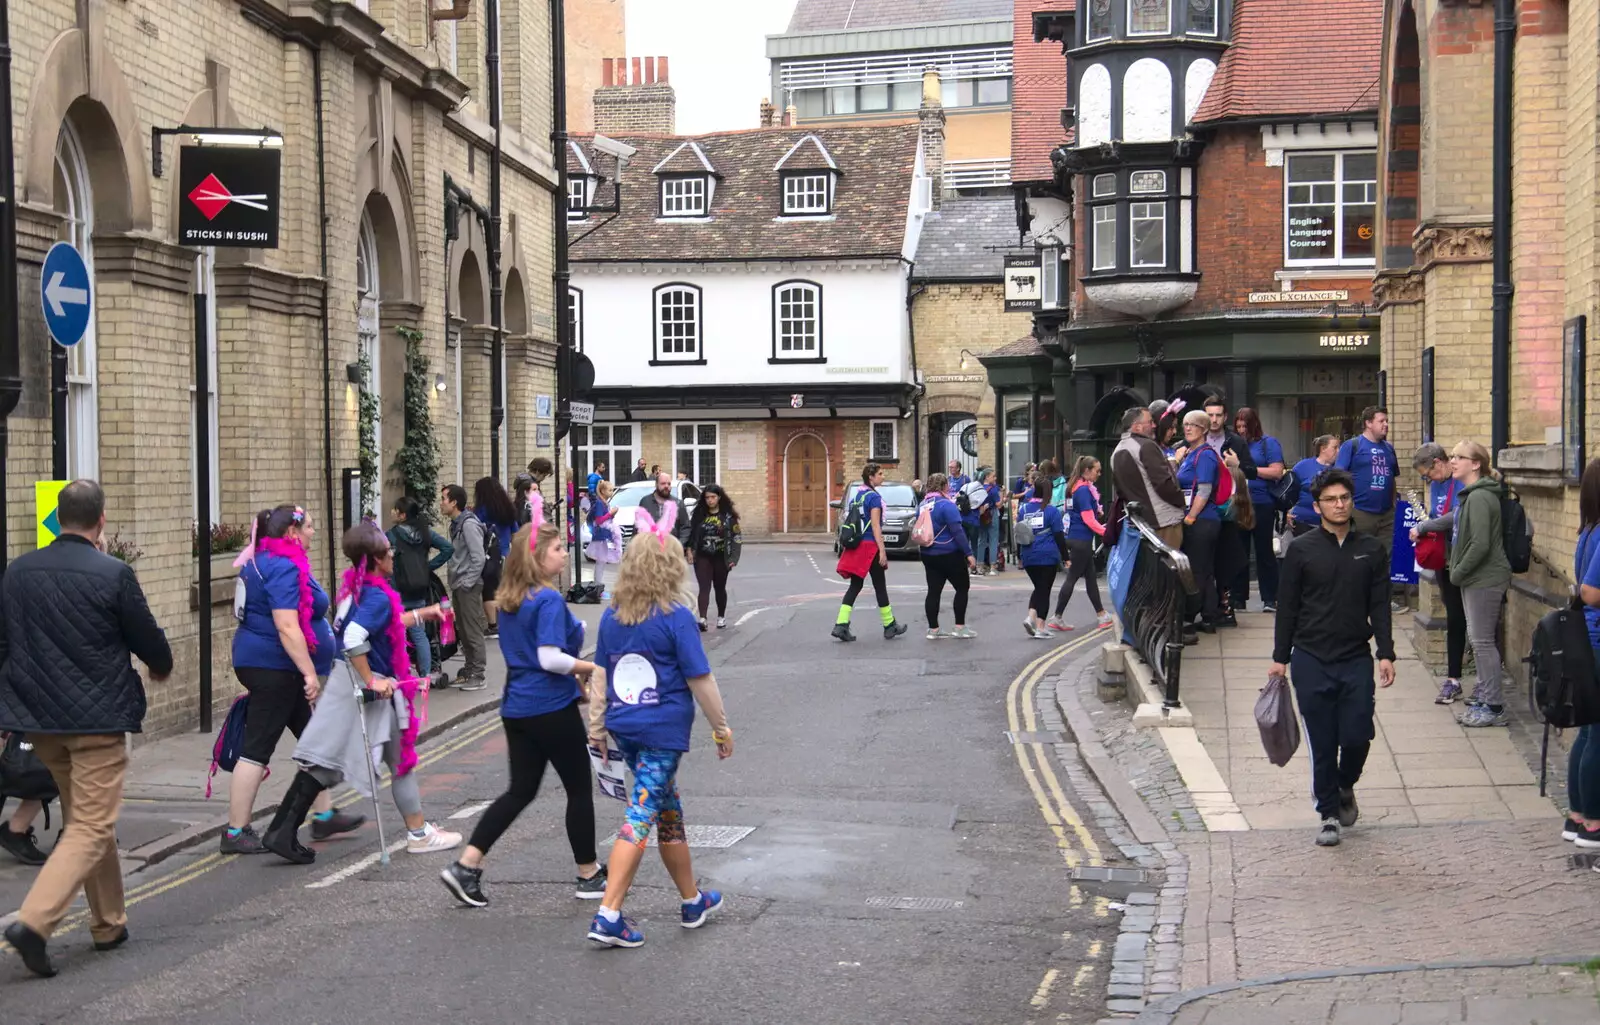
1478 566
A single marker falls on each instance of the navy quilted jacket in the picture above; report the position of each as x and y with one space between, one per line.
72 618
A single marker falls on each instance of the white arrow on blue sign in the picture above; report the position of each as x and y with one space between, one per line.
64 292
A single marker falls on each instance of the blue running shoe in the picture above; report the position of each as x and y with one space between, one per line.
695 915
620 933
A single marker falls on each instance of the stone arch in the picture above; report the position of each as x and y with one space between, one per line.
472 303
1104 420
389 206
1402 142
515 303
79 80
209 107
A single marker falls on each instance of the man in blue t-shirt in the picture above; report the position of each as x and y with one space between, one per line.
596 477
958 480
1372 464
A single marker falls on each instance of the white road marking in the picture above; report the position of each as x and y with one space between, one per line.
352 868
471 810
748 616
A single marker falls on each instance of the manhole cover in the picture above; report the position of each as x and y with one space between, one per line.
711 836
914 903
1110 875
932 667
1035 737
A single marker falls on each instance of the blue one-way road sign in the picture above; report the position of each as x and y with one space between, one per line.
64 290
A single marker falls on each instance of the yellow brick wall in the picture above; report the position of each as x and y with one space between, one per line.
948 318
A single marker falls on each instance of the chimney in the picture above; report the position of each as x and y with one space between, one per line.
607 76
769 114
791 116
635 98
931 121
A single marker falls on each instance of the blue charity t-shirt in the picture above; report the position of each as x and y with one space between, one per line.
1304 511
1047 528
648 667
1083 501
1440 493
542 620
371 612
1200 466
272 582
1265 452
870 500
1587 566
594 482
1373 467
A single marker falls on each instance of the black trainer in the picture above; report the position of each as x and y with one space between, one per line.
339 822
31 947
592 888
21 845
1349 811
842 631
462 882
893 630
245 841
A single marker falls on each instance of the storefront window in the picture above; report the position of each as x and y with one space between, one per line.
1331 207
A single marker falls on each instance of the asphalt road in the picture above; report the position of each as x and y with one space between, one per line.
899 864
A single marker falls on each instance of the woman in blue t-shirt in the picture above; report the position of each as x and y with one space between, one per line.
1083 526
1268 456
1433 463
655 671
1198 474
282 652
1583 763
541 639
869 559
1303 517
495 511
948 560
1041 558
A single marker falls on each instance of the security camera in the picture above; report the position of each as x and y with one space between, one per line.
613 148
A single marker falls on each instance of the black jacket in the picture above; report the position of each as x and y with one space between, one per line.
72 617
652 504
1232 442
1332 598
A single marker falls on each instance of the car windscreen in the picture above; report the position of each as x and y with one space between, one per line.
626 497
899 495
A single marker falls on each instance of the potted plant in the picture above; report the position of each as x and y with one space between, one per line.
227 539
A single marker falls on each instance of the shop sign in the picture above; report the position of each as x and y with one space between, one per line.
1360 341
1335 295
1023 283
230 196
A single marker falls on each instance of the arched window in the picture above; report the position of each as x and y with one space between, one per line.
679 328
1094 106
367 296
1147 102
796 322
74 201
1195 83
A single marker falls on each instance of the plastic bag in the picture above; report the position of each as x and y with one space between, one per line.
610 772
1280 729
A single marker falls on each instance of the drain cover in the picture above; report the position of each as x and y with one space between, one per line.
712 836
1110 875
914 903
1035 737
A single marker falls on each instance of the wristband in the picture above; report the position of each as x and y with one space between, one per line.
722 736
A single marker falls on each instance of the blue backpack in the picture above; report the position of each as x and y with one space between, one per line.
225 752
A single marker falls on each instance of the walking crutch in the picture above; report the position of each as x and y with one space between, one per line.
372 771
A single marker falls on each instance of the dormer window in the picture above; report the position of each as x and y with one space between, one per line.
807 193
684 197
580 196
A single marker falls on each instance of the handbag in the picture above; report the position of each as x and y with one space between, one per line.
22 774
1431 550
1280 730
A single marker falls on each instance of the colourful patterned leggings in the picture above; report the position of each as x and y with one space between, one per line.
655 795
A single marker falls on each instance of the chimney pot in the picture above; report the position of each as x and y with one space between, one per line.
932 87
649 71
661 70
606 72
791 116
638 71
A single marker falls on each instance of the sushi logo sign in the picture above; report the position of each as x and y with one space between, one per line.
231 196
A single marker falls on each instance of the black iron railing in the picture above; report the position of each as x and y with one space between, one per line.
1159 606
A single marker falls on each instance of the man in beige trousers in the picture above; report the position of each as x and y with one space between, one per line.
72 617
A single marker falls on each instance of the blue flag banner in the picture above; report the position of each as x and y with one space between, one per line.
1403 562
1119 573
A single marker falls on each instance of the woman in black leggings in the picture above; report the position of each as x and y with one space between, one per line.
541 639
1083 526
869 558
947 560
1040 556
715 542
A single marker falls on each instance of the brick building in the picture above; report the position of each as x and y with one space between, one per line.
1435 276
634 98
401 109
596 34
1214 177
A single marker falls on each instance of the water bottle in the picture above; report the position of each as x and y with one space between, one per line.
447 625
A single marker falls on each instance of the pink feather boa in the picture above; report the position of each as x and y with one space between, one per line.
295 552
356 578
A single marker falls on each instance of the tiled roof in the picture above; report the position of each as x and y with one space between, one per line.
873 190
822 15
1298 57
688 158
1038 92
964 239
1022 348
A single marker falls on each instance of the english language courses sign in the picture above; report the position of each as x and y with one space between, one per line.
230 196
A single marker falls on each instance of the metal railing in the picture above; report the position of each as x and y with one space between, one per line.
1159 605
977 174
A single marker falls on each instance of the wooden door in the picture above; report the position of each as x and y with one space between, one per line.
806 465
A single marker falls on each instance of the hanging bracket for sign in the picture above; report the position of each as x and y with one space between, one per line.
260 137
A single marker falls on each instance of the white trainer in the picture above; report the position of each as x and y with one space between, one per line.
432 840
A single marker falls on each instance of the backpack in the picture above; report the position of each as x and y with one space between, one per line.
1285 491
853 528
971 496
1562 689
1516 532
1222 498
1027 529
492 555
230 738
922 531
410 567
963 501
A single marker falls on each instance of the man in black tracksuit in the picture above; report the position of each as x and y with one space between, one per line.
1333 599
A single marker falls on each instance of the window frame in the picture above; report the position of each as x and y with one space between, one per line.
1089 23
777 356
696 447
1216 20
1132 34
581 456
585 197
1095 221
1050 278
874 455
789 177
1160 204
1339 203
83 360
575 316
660 359
703 180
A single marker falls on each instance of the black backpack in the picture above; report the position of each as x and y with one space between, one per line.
24 776
1562 689
853 527
1285 491
964 501
1517 531
411 567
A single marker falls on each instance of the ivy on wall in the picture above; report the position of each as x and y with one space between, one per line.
367 433
418 459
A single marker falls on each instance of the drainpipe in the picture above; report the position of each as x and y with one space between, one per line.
562 278
497 383
916 385
1505 41
10 374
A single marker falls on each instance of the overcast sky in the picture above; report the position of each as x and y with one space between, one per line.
718 54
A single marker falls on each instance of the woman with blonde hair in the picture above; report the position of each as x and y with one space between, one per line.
654 671
1199 470
541 639
1479 567
604 547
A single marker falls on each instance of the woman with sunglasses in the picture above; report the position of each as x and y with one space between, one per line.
282 653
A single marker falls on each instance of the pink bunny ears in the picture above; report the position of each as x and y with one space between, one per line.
644 523
536 518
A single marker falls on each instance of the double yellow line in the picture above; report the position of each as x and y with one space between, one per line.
200 866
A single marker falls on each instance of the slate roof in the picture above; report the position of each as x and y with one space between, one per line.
873 191
1298 57
1022 348
823 15
964 238
1038 92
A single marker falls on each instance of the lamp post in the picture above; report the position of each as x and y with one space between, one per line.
10 377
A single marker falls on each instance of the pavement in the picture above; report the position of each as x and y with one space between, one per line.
901 836
1453 899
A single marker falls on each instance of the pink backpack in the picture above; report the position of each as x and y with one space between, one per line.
922 532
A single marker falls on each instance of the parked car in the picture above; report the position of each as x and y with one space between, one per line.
899 513
626 501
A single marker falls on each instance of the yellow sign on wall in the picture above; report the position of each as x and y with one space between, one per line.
45 495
